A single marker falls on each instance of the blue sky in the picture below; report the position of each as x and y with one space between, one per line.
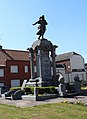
67 24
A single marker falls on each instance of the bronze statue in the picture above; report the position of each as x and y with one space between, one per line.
41 27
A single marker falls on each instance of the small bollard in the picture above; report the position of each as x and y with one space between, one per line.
35 88
62 90
35 93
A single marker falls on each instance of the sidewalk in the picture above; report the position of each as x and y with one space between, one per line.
24 103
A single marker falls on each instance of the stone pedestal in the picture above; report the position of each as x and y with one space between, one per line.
43 50
31 57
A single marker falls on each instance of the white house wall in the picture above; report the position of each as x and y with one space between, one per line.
77 62
81 75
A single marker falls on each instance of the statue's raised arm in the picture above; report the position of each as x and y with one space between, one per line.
42 26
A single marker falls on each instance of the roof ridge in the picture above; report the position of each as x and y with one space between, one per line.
16 50
8 55
67 53
67 56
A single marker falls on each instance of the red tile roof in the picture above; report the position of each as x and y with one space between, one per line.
13 55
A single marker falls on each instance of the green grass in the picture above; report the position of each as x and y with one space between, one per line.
47 111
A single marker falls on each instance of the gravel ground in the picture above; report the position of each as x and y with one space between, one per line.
29 103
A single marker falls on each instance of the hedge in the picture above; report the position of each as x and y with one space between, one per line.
41 90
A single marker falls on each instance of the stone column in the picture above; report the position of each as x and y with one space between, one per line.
53 59
38 63
31 57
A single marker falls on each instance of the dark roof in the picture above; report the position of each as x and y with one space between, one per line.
65 56
13 55
85 64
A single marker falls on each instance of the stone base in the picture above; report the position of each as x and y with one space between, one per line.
47 83
28 97
40 82
39 98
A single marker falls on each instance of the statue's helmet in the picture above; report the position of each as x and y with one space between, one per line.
42 16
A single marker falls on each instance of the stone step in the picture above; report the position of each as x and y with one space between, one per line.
8 98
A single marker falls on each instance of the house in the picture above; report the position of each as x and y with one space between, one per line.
74 66
14 67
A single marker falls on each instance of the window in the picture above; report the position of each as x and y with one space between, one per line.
14 69
86 75
26 69
81 76
59 66
1 72
15 83
2 84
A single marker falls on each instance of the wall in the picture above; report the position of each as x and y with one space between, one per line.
67 65
21 75
77 62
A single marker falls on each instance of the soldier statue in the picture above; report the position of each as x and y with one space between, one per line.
42 26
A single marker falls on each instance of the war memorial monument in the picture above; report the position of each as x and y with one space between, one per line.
42 55
43 52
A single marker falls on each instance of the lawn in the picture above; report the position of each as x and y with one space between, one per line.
47 111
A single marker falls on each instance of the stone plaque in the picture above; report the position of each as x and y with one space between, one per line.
46 70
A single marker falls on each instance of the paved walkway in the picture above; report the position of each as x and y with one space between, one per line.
29 103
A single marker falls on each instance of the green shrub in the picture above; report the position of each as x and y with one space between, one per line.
15 88
29 90
41 90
